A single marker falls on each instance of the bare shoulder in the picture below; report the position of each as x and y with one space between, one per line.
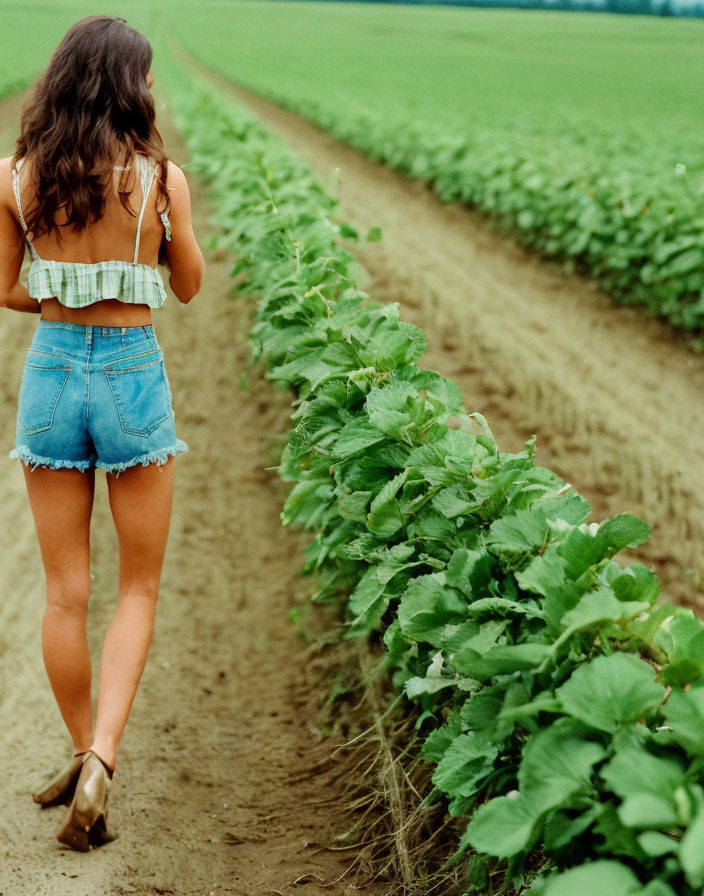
5 171
6 194
177 185
175 178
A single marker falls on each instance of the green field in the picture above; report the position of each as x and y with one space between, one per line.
32 31
452 66
458 67
581 136
461 66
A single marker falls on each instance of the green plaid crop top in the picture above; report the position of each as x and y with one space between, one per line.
76 284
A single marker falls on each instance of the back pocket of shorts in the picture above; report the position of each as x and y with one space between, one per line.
43 380
138 385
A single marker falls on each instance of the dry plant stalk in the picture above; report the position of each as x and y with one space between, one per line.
381 780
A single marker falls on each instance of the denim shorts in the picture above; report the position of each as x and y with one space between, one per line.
94 396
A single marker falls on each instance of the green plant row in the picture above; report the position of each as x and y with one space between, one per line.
562 708
621 206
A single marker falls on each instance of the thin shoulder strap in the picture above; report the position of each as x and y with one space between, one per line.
16 189
146 187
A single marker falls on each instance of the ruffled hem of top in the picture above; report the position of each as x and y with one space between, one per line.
76 285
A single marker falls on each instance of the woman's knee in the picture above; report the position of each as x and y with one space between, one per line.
69 593
146 589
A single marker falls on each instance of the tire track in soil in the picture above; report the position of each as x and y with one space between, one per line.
613 395
222 768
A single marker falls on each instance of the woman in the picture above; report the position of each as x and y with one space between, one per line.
90 191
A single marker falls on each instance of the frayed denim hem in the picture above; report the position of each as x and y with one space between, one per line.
159 457
35 460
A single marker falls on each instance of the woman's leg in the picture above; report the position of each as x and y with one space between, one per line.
141 501
61 502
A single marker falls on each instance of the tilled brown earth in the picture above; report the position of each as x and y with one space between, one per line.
613 395
223 784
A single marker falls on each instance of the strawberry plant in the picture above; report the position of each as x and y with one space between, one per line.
561 703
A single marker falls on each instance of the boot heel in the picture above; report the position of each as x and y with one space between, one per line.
73 834
85 823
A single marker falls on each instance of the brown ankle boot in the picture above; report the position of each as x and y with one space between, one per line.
86 822
60 789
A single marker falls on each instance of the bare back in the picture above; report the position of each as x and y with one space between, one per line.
112 237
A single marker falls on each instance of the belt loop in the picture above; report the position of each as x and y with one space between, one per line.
122 336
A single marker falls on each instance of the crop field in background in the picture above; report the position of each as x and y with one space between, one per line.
581 136
29 33
465 67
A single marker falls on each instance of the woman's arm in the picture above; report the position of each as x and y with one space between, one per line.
18 299
185 260
13 294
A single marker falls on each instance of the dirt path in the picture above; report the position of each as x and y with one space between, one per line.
222 775
614 397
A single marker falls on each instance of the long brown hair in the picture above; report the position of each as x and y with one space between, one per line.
90 105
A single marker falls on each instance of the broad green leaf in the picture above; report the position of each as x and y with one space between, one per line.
399 342
585 547
597 607
681 638
440 391
691 852
427 606
503 607
546 574
647 784
610 691
394 559
503 659
430 524
465 764
469 571
437 742
623 531
353 505
367 604
684 712
570 507
453 501
298 367
557 763
504 826
472 636
561 829
433 680
636 583
646 627
519 533
481 710
657 844
396 409
356 436
657 888
431 461
385 518
593 878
